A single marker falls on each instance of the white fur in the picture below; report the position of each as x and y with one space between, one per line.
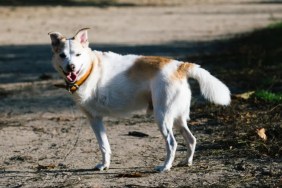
110 91
212 88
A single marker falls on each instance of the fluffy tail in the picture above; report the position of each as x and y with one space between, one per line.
211 87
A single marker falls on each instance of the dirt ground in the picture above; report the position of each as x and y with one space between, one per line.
45 141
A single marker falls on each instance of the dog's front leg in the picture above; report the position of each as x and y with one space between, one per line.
100 132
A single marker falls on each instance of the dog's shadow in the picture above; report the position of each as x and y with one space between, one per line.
116 172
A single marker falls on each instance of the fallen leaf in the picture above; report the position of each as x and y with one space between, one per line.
261 133
245 95
45 167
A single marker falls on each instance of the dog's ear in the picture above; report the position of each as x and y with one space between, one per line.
82 37
56 40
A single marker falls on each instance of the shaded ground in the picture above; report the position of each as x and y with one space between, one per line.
46 142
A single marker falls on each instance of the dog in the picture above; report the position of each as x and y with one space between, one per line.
110 84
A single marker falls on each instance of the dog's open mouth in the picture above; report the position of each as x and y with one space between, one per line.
71 76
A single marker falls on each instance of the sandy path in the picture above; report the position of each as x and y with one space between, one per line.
135 25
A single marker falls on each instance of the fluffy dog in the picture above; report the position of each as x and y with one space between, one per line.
110 84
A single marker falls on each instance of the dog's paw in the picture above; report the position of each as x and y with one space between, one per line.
162 168
101 167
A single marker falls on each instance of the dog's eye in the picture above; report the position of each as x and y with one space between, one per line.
63 55
77 55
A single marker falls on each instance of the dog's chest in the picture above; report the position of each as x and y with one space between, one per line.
99 104
101 100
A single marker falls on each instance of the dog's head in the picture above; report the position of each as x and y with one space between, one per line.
71 55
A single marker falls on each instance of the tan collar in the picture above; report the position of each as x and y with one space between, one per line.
73 87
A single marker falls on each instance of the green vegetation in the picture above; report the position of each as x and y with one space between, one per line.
269 96
277 25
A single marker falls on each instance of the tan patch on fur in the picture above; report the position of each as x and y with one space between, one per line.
182 70
147 66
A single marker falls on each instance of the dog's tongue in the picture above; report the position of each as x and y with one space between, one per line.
71 77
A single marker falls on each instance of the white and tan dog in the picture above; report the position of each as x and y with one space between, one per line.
109 84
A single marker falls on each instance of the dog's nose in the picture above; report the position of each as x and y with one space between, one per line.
71 67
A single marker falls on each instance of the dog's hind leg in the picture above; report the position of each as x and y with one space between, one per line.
100 132
165 124
189 139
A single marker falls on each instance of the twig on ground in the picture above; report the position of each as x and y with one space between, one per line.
76 140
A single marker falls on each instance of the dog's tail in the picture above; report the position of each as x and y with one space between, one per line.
211 87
